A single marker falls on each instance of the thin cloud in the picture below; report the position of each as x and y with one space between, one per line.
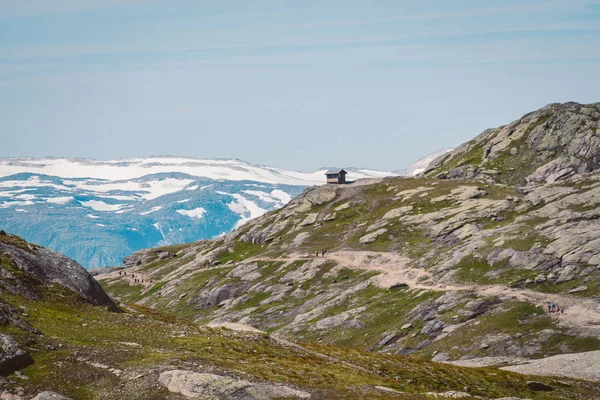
90 55
13 8
432 16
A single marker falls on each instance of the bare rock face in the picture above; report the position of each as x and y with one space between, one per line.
50 396
12 356
194 385
27 267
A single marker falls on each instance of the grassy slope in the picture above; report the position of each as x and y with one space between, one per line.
76 334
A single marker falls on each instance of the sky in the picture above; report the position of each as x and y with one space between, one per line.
292 84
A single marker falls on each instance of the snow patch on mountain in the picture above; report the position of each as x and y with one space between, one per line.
98 205
421 164
131 168
195 213
150 211
59 200
246 209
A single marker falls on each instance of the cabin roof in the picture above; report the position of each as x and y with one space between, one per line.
335 171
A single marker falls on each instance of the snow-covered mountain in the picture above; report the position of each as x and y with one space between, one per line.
97 212
421 164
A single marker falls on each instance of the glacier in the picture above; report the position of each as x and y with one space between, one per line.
99 211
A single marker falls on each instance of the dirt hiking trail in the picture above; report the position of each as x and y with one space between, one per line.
394 269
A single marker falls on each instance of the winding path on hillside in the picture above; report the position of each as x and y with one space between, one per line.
394 269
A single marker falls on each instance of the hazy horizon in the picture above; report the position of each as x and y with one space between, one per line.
295 86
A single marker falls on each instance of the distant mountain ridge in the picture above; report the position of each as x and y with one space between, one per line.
97 212
553 143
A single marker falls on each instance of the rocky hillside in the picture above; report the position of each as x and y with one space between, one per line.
56 344
548 145
443 269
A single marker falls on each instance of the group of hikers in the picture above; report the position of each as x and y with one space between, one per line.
554 308
132 276
323 251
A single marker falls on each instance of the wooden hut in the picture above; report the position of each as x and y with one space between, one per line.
337 176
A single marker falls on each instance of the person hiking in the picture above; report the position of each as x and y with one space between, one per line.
323 252
553 306
317 253
549 307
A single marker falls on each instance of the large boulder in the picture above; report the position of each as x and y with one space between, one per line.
35 266
12 356
195 385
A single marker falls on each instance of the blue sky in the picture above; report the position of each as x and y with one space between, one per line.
293 84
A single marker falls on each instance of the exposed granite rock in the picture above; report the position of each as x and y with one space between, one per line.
196 385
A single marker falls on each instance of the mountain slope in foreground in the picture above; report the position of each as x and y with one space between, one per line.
97 212
444 269
56 344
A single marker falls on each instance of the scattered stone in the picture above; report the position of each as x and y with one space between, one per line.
132 344
98 365
440 357
371 237
343 207
449 395
578 289
406 326
397 212
386 389
329 217
310 219
433 327
468 192
567 274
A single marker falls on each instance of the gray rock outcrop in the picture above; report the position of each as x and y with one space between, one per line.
50 396
12 356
